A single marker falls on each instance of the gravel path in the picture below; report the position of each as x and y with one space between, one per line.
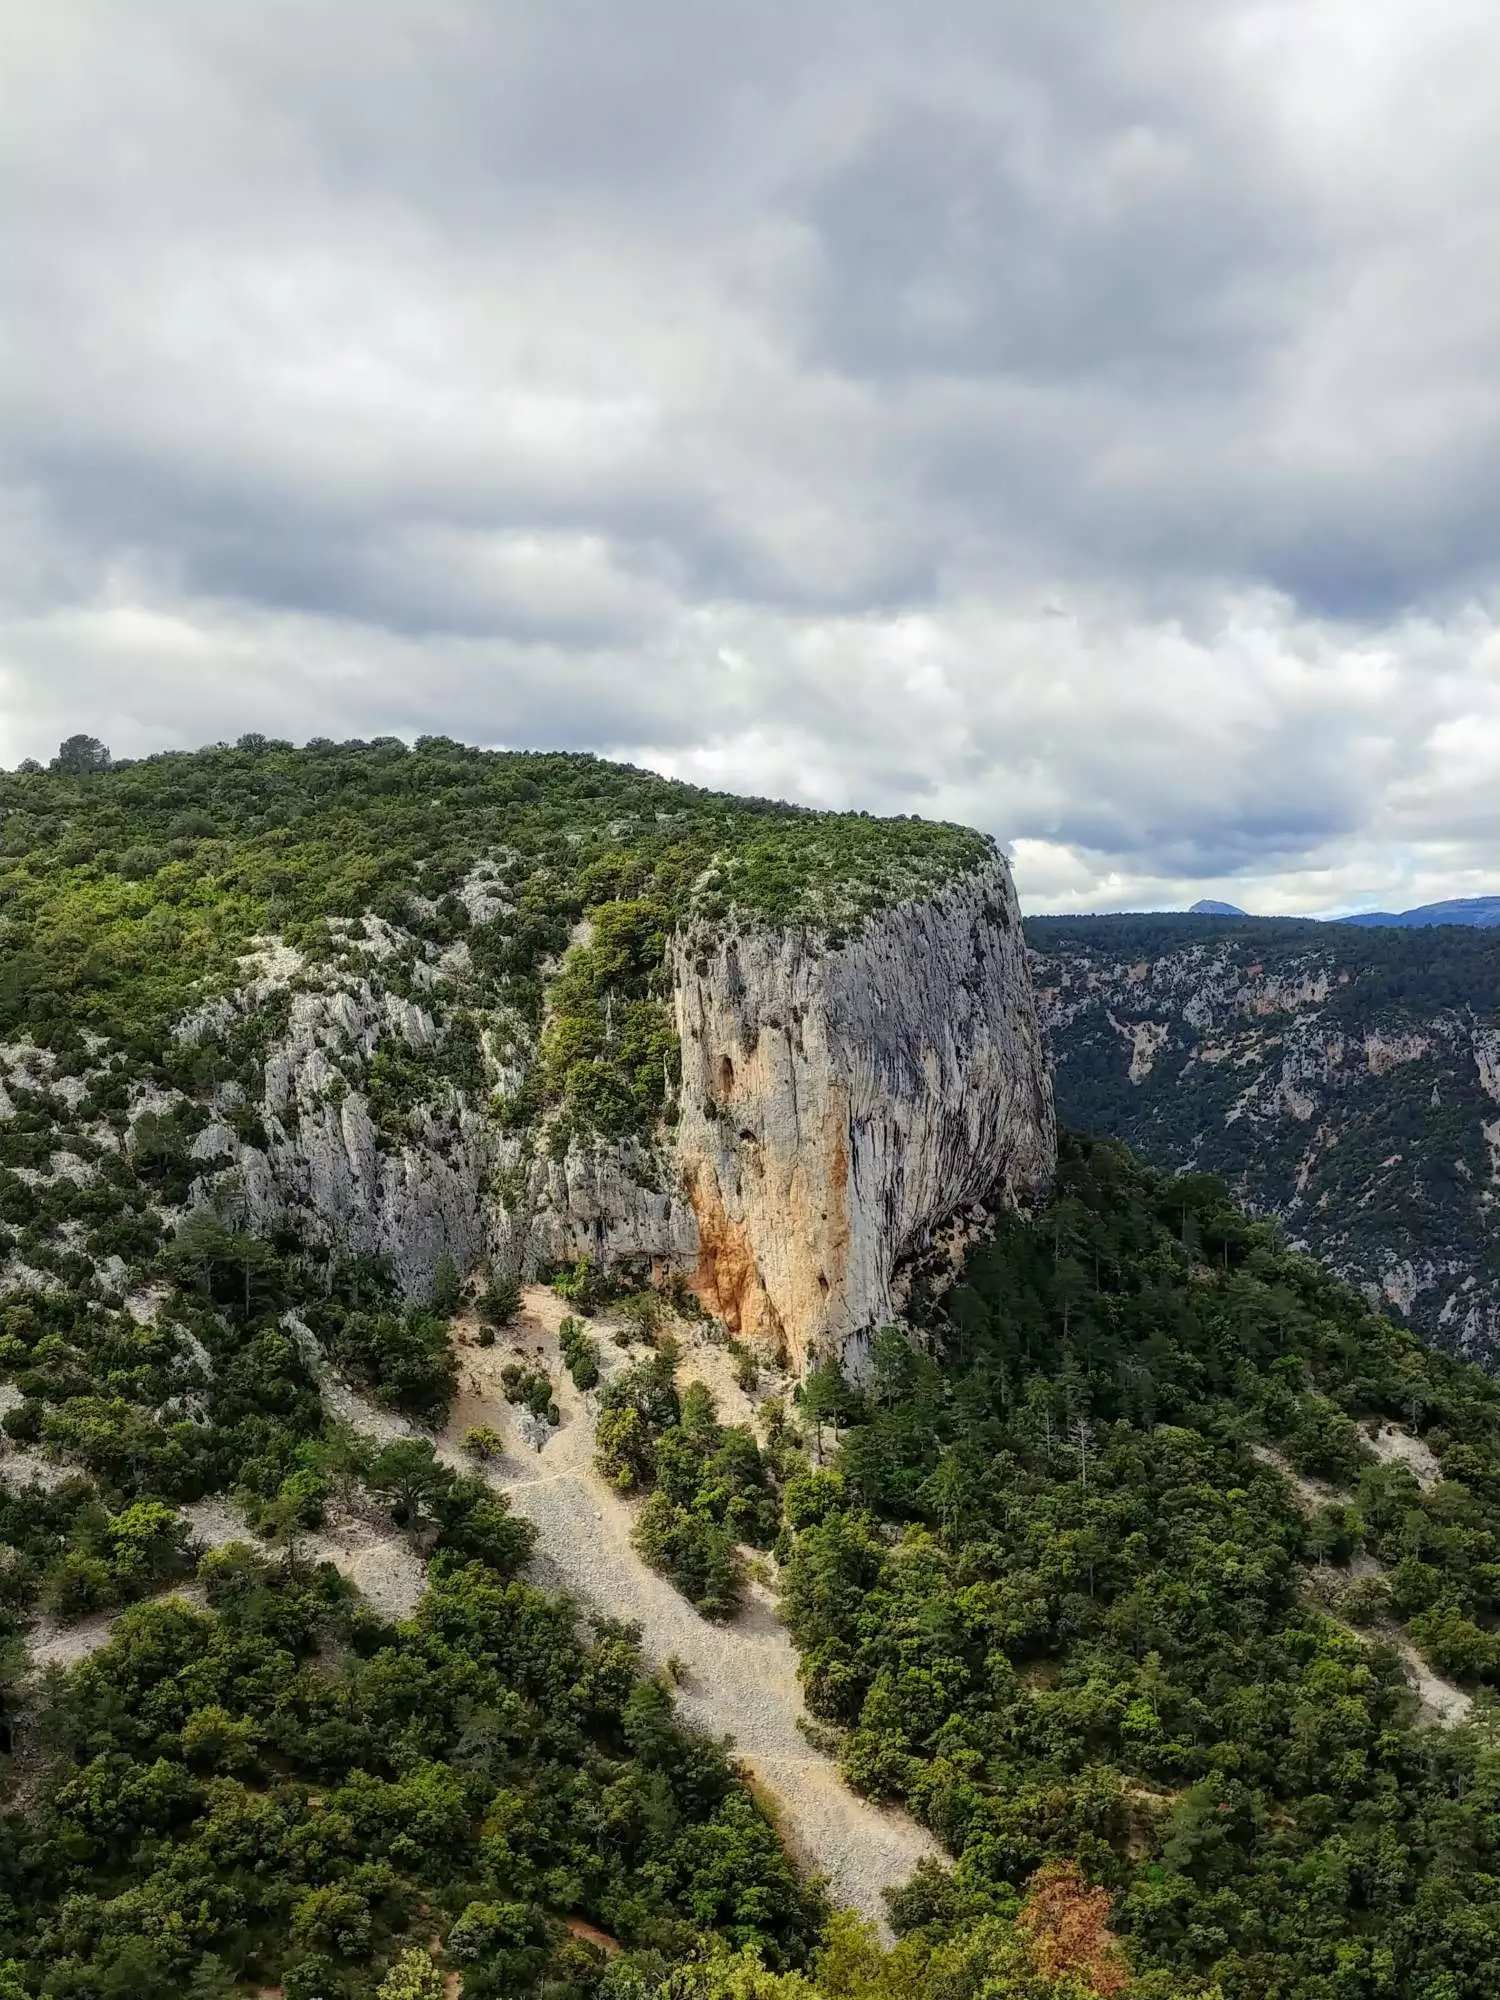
737 1680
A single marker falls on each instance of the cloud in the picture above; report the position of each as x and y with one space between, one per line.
1081 421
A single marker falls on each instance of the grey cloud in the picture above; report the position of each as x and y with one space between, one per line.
737 387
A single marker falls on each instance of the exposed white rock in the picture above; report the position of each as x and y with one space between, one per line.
839 1103
483 896
213 1143
1394 1446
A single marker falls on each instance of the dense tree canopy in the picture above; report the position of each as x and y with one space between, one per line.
1053 1600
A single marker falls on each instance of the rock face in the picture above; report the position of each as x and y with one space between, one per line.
840 1103
1345 1081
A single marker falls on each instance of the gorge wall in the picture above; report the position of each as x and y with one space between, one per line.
840 1098
838 1104
1345 1082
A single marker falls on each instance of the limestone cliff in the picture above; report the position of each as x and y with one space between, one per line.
1344 1081
838 1103
840 1099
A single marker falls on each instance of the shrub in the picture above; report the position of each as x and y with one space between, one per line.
625 1452
483 1443
412 1977
694 1553
584 1286
406 1362
79 1584
500 1300
531 1387
447 1286
580 1354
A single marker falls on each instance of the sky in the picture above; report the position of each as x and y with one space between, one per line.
1081 421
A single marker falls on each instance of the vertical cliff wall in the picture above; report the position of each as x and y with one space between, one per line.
841 1101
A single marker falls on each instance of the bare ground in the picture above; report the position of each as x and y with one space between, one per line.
1394 1446
372 1553
737 1680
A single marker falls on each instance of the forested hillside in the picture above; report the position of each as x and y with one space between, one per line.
1345 1081
1131 1569
129 892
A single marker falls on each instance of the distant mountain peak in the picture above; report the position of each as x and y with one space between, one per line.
1209 908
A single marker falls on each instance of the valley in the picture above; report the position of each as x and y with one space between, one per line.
1345 1082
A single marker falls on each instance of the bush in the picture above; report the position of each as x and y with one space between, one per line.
79 1584
531 1387
500 1300
447 1287
624 1450
584 1286
694 1553
483 1443
580 1354
412 1977
406 1362
23 1424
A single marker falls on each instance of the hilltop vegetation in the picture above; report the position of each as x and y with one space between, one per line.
160 920
123 888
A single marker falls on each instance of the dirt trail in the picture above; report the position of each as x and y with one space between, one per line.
738 1680
1441 1701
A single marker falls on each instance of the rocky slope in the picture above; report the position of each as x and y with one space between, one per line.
1347 1082
839 1101
451 1006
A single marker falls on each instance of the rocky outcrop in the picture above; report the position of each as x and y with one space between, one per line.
839 1103
1345 1083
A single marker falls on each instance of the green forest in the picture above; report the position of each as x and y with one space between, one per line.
1049 1597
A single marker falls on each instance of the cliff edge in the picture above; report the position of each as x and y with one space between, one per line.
445 1006
840 1097
839 1101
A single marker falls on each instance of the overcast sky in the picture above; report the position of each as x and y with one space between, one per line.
1081 420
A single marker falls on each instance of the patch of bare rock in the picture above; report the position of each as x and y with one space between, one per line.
737 1680
1441 1701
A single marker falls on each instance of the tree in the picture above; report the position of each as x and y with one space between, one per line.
405 1474
1081 1438
447 1286
825 1397
412 1977
81 755
500 1301
1065 1925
